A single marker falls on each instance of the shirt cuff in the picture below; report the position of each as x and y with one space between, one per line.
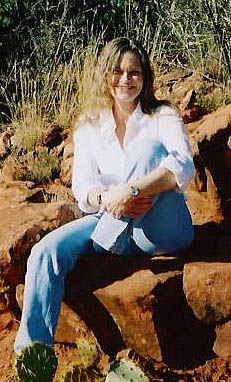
82 194
181 167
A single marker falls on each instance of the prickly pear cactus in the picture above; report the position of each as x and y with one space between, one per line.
36 363
77 373
88 352
85 369
126 371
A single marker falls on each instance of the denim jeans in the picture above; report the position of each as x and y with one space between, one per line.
166 227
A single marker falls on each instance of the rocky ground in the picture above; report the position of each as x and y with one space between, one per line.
174 311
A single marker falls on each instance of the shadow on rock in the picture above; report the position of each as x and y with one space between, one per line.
139 302
184 340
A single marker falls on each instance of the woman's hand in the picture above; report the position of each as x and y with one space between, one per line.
118 201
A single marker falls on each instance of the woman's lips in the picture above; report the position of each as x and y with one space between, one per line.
125 87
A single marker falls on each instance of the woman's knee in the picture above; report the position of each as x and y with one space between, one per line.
154 153
38 257
146 158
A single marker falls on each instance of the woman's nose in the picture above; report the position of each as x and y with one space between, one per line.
124 76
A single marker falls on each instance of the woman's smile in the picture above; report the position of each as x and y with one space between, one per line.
127 79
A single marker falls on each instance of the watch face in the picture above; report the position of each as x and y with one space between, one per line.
134 191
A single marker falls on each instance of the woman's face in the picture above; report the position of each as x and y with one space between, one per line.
127 79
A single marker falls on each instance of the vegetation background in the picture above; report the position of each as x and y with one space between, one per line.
48 49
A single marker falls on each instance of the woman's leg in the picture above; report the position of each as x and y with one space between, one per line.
48 264
166 227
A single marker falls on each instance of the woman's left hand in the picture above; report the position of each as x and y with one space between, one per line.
118 201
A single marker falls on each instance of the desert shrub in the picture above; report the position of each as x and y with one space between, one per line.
39 166
43 167
210 95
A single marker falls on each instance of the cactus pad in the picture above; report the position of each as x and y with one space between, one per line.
76 373
36 363
88 352
126 371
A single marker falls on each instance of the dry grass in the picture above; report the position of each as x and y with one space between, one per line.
56 91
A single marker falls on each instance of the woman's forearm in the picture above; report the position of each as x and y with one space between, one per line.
158 180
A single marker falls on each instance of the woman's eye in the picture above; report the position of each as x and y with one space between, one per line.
116 71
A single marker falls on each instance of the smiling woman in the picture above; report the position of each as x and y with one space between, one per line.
127 80
132 162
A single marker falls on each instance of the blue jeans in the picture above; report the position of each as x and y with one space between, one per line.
166 227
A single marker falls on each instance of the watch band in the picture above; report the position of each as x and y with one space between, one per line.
99 198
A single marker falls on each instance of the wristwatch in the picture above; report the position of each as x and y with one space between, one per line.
134 191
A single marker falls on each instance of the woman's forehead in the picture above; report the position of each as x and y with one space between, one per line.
129 57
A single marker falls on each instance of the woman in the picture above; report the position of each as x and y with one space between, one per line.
132 163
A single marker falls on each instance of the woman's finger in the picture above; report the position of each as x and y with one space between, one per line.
139 210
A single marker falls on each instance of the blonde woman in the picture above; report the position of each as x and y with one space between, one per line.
132 163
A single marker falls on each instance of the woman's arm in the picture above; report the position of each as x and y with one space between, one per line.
158 180
174 172
119 201
85 174
171 133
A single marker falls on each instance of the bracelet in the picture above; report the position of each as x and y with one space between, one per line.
99 198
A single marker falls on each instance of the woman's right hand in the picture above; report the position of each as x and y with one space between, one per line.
118 201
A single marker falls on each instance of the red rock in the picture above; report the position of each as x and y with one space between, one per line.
6 317
191 115
52 136
67 163
222 345
207 288
138 303
212 157
23 224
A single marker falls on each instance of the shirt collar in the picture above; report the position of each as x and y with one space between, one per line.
137 113
107 120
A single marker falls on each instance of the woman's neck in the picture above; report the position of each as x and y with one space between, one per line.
123 111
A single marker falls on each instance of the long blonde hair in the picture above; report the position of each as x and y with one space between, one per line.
100 96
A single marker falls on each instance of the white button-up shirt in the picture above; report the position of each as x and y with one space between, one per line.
99 159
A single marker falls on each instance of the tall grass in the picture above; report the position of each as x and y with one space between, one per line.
46 86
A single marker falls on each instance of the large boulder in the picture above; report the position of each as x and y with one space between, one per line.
138 303
207 287
25 219
210 141
180 87
222 345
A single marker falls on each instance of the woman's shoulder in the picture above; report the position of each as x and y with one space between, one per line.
83 129
166 110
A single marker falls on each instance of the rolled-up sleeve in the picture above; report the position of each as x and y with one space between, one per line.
172 134
85 174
